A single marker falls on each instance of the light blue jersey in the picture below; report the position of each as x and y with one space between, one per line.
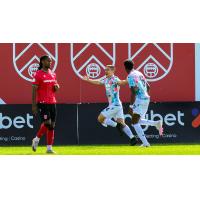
112 89
137 79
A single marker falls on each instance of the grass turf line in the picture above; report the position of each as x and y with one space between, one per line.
169 149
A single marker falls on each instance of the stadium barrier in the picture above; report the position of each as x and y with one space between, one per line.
77 124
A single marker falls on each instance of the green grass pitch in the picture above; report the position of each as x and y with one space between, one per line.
167 149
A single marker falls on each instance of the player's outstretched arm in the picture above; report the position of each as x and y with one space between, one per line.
122 82
95 82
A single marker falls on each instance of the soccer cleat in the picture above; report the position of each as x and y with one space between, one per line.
145 145
133 141
50 151
159 127
35 143
119 128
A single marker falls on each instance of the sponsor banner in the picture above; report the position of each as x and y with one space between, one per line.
181 123
168 68
18 126
77 124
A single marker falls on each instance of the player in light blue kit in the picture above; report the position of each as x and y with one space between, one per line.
114 110
140 102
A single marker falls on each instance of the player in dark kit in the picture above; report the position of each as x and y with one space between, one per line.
43 100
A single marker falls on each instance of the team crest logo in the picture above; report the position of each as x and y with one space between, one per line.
90 59
26 58
152 59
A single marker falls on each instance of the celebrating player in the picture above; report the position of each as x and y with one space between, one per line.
139 102
43 99
115 109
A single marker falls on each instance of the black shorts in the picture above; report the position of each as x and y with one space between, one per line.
47 111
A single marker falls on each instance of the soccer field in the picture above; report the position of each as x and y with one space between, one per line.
107 150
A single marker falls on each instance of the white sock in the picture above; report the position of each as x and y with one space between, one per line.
105 125
49 147
140 133
147 122
110 122
128 132
37 138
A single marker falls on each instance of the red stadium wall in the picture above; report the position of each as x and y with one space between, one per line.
170 69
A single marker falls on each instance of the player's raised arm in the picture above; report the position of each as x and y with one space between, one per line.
95 82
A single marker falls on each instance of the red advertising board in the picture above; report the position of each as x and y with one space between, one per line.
169 68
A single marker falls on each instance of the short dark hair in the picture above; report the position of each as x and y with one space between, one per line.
128 64
112 67
41 59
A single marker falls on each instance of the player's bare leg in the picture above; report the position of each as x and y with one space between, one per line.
109 122
106 122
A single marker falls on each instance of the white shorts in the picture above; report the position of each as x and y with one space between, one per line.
140 107
113 111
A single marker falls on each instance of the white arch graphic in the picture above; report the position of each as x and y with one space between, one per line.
169 57
16 57
73 58
2 101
